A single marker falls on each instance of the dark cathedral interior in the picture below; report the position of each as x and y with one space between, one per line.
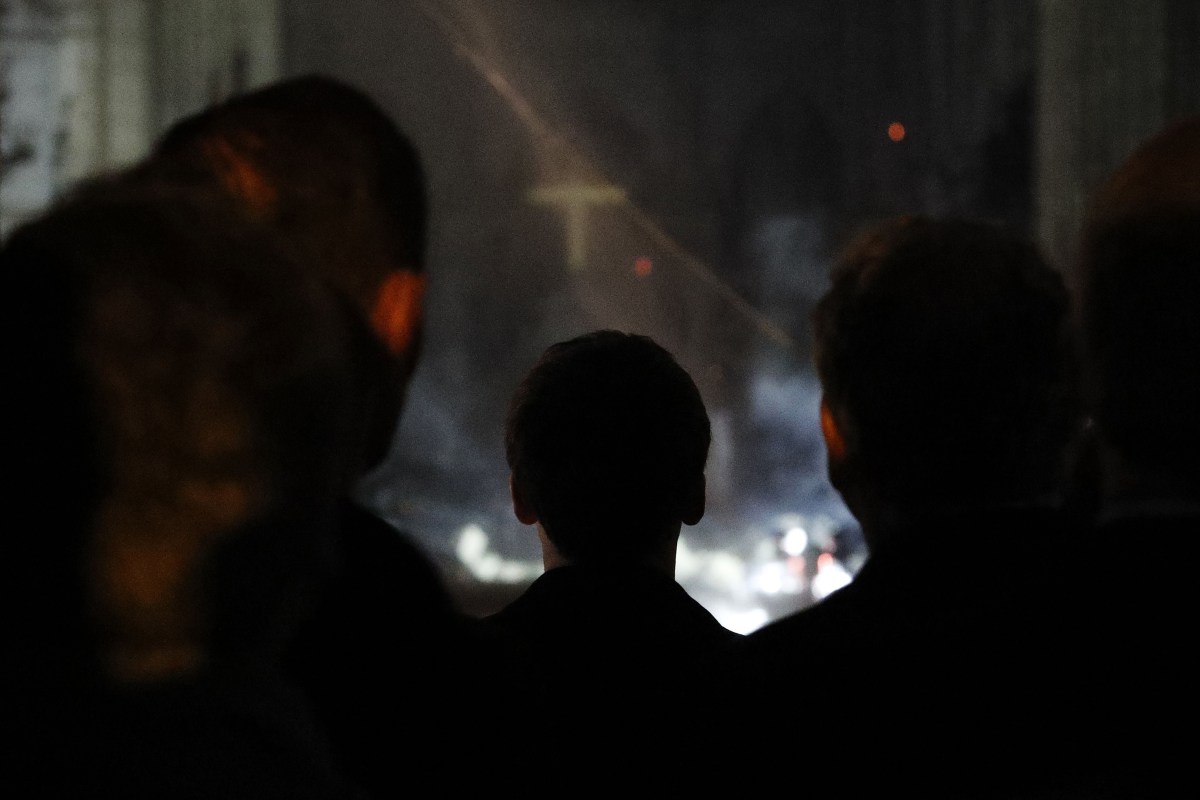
687 169
722 153
473 397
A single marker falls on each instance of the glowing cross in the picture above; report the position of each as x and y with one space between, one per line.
575 198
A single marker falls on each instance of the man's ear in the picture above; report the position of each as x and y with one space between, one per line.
694 503
525 514
397 315
831 430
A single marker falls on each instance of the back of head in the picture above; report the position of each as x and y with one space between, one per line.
607 438
204 385
940 348
1140 287
323 165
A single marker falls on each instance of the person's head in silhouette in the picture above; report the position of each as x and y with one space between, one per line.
945 372
183 410
1139 278
607 438
322 166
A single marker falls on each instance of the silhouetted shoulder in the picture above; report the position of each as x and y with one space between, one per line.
391 665
382 559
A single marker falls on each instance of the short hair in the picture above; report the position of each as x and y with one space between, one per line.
1139 277
605 437
945 343
205 385
322 164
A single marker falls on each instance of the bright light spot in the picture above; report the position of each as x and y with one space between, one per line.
726 570
794 541
472 544
716 568
768 578
830 577
516 571
688 562
896 132
643 266
775 578
487 567
472 550
746 621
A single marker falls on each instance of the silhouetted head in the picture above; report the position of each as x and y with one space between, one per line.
181 387
320 164
607 438
942 355
1139 275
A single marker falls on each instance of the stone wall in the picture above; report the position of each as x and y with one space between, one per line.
93 82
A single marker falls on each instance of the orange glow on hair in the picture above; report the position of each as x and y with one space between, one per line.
239 176
397 313
834 443
896 132
643 266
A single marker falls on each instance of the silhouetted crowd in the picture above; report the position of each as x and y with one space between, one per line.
211 348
